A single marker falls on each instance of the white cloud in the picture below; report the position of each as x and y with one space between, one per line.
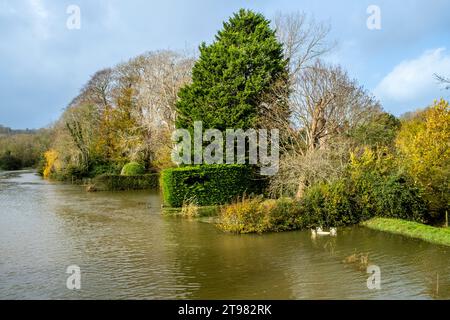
39 8
412 81
41 18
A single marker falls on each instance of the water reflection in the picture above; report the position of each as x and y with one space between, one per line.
127 250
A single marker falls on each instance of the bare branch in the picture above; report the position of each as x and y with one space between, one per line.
444 80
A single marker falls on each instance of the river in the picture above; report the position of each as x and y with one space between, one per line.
126 249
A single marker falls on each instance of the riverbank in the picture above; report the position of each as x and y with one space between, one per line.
113 182
411 229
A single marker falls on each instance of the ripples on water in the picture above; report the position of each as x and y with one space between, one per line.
127 250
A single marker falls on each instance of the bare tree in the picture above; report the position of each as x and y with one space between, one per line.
82 123
97 91
153 79
444 80
99 87
164 73
298 171
304 40
325 102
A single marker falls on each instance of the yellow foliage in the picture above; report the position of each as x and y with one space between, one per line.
424 141
380 160
424 144
51 162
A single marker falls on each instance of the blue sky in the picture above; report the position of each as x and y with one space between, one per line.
43 64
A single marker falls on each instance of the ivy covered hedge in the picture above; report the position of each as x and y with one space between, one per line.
118 182
208 184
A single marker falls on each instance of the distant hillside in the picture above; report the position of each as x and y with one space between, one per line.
5 131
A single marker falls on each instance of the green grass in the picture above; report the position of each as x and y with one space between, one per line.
411 229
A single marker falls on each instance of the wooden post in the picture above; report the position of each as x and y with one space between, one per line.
446 218
437 285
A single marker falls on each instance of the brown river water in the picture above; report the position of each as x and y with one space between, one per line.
126 249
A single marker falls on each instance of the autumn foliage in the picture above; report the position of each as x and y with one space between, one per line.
423 143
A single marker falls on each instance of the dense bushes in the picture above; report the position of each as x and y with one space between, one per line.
119 182
373 186
330 205
340 203
104 168
381 188
51 166
395 196
208 184
10 162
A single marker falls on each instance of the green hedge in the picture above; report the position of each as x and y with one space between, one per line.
209 184
119 183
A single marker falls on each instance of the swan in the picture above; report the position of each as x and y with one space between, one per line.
320 232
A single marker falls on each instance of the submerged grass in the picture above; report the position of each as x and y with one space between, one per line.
361 260
190 208
410 229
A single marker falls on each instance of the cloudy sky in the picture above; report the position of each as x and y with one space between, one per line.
43 64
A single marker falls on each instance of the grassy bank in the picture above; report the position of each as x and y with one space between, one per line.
411 229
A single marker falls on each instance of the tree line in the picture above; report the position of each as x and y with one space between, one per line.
22 148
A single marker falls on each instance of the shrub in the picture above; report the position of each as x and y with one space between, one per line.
73 171
330 205
52 163
208 184
99 169
246 216
41 166
132 169
396 197
256 215
286 214
379 188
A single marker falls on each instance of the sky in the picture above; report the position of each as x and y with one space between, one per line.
43 63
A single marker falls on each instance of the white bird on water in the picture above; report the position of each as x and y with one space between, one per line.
320 232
